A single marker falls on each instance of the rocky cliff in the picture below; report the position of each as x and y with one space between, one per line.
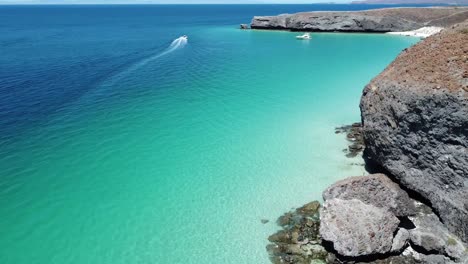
415 128
379 20
415 123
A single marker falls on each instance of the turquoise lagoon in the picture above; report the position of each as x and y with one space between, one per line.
116 148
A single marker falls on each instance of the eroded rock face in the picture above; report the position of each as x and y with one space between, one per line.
375 189
356 228
379 20
415 123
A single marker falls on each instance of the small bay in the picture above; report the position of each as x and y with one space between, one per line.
117 146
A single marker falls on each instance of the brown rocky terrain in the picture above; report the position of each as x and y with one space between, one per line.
441 61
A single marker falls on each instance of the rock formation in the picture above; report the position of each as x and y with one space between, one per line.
415 123
378 20
415 128
365 219
371 218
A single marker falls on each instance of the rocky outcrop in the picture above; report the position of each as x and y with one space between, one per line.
371 218
415 128
415 123
377 190
367 219
355 234
379 20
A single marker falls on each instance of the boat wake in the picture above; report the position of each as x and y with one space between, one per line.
175 45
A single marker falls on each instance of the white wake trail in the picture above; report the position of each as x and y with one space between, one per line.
176 44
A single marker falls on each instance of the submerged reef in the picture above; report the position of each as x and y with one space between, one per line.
354 136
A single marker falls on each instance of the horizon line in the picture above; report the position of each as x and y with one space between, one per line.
325 3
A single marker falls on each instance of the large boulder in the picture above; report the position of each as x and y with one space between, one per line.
415 123
357 229
375 189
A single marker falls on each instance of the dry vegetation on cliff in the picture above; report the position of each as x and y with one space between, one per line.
439 61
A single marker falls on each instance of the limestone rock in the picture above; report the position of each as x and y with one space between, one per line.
356 228
375 189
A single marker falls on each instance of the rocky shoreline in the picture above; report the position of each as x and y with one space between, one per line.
378 20
414 131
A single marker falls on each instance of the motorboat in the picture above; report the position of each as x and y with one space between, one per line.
305 36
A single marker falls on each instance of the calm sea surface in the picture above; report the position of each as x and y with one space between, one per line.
120 143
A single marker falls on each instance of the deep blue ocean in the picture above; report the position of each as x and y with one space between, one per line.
121 143
51 55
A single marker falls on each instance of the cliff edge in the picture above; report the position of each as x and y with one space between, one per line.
415 123
415 129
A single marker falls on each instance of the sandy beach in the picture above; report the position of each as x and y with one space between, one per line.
423 32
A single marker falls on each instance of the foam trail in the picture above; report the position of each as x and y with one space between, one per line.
176 44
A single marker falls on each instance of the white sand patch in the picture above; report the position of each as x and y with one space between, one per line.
421 33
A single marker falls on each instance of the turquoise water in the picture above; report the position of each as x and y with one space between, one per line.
150 154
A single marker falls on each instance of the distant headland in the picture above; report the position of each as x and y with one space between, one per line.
377 20
402 2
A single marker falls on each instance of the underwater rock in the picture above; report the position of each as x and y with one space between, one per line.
354 136
299 240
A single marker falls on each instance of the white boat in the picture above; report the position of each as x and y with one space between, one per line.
305 36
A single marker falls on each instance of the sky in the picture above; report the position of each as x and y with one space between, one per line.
168 1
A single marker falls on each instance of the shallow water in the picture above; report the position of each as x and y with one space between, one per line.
118 147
